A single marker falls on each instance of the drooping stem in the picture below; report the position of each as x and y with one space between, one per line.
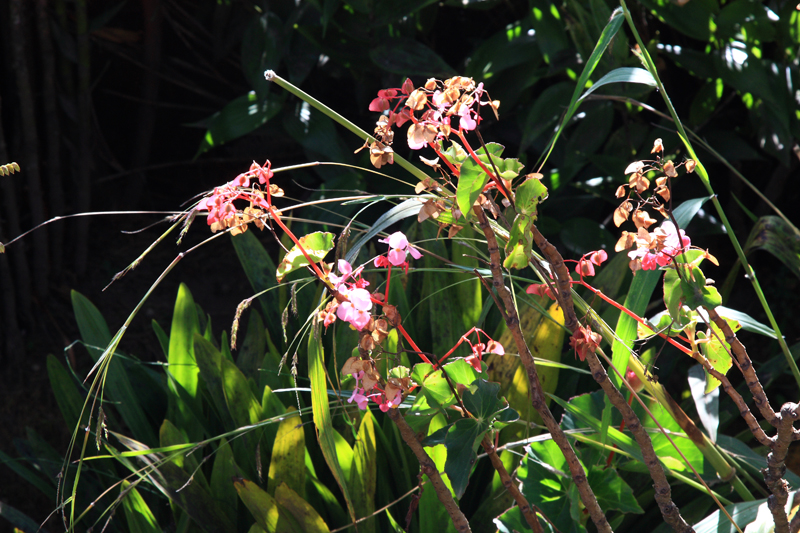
663 496
428 468
537 394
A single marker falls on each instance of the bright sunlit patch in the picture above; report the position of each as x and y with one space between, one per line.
595 182
736 55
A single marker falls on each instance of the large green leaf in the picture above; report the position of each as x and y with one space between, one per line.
364 472
409 57
320 406
182 367
287 465
224 469
622 75
266 511
461 438
139 517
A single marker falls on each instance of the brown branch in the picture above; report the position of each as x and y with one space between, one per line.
746 366
663 496
776 468
510 486
537 394
428 468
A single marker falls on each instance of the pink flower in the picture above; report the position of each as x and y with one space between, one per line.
467 122
360 399
394 402
665 240
356 310
399 247
540 289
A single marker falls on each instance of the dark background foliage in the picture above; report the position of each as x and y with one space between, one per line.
141 105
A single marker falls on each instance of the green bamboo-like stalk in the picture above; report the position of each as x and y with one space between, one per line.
327 111
704 178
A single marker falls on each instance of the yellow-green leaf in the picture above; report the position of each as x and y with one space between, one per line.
304 514
139 517
322 413
287 465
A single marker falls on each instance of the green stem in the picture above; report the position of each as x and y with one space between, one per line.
304 96
701 171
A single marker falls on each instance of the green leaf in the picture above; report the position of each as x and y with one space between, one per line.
225 469
364 473
307 518
695 291
606 36
266 511
403 210
471 182
287 465
238 118
18 519
434 390
520 243
529 194
66 393
706 403
773 235
139 517
622 75
611 490
462 437
316 245
182 367
253 347
546 483
717 350
322 413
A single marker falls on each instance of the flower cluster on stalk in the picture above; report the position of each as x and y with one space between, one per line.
431 109
657 248
223 214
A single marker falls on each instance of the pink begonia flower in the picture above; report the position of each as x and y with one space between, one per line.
394 402
673 245
540 289
360 399
467 122
356 311
584 268
398 244
345 269
598 257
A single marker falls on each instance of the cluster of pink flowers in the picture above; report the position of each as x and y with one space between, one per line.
439 102
660 247
367 380
222 213
349 283
586 264
355 309
479 349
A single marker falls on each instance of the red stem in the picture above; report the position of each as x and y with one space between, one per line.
637 318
